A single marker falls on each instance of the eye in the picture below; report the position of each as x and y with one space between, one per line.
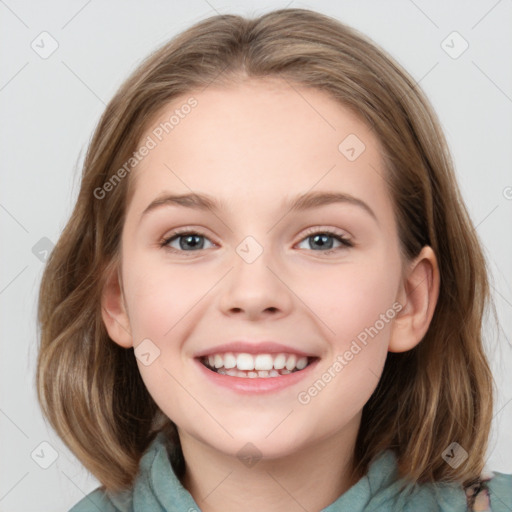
324 240
188 241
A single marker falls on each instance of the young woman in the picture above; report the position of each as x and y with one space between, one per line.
270 293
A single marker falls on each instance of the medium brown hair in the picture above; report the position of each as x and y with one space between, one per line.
439 392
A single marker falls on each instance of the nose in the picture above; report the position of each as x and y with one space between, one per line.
256 290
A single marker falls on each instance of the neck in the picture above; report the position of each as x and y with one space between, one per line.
310 478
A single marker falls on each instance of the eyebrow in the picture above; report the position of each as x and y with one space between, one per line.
302 202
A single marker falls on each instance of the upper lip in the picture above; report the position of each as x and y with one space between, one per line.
259 347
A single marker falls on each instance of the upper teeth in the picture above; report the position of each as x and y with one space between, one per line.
245 361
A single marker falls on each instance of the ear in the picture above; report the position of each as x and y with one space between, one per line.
113 309
418 295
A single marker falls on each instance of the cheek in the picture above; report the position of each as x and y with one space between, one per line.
161 302
159 297
355 306
349 298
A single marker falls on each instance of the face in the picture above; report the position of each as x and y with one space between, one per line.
320 279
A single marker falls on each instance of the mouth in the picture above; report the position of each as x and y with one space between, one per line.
260 366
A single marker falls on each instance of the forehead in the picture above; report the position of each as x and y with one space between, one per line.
252 143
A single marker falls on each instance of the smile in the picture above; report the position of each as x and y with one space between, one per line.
255 365
254 381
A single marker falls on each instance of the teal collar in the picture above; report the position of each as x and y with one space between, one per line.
157 488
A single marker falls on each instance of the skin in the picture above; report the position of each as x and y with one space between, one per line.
254 145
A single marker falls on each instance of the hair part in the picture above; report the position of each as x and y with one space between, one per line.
90 388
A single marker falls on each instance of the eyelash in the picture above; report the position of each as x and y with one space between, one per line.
346 243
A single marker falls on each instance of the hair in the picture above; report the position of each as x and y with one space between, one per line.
439 392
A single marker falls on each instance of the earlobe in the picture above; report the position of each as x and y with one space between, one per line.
418 296
113 311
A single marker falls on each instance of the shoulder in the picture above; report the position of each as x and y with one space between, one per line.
101 500
95 501
493 493
387 491
152 485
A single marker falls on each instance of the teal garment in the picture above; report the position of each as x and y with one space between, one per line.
158 489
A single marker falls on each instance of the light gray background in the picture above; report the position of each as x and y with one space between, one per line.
49 108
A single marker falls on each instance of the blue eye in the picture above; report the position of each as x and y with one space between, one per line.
191 241
324 240
186 240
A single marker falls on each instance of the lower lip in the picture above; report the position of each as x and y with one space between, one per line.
246 385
